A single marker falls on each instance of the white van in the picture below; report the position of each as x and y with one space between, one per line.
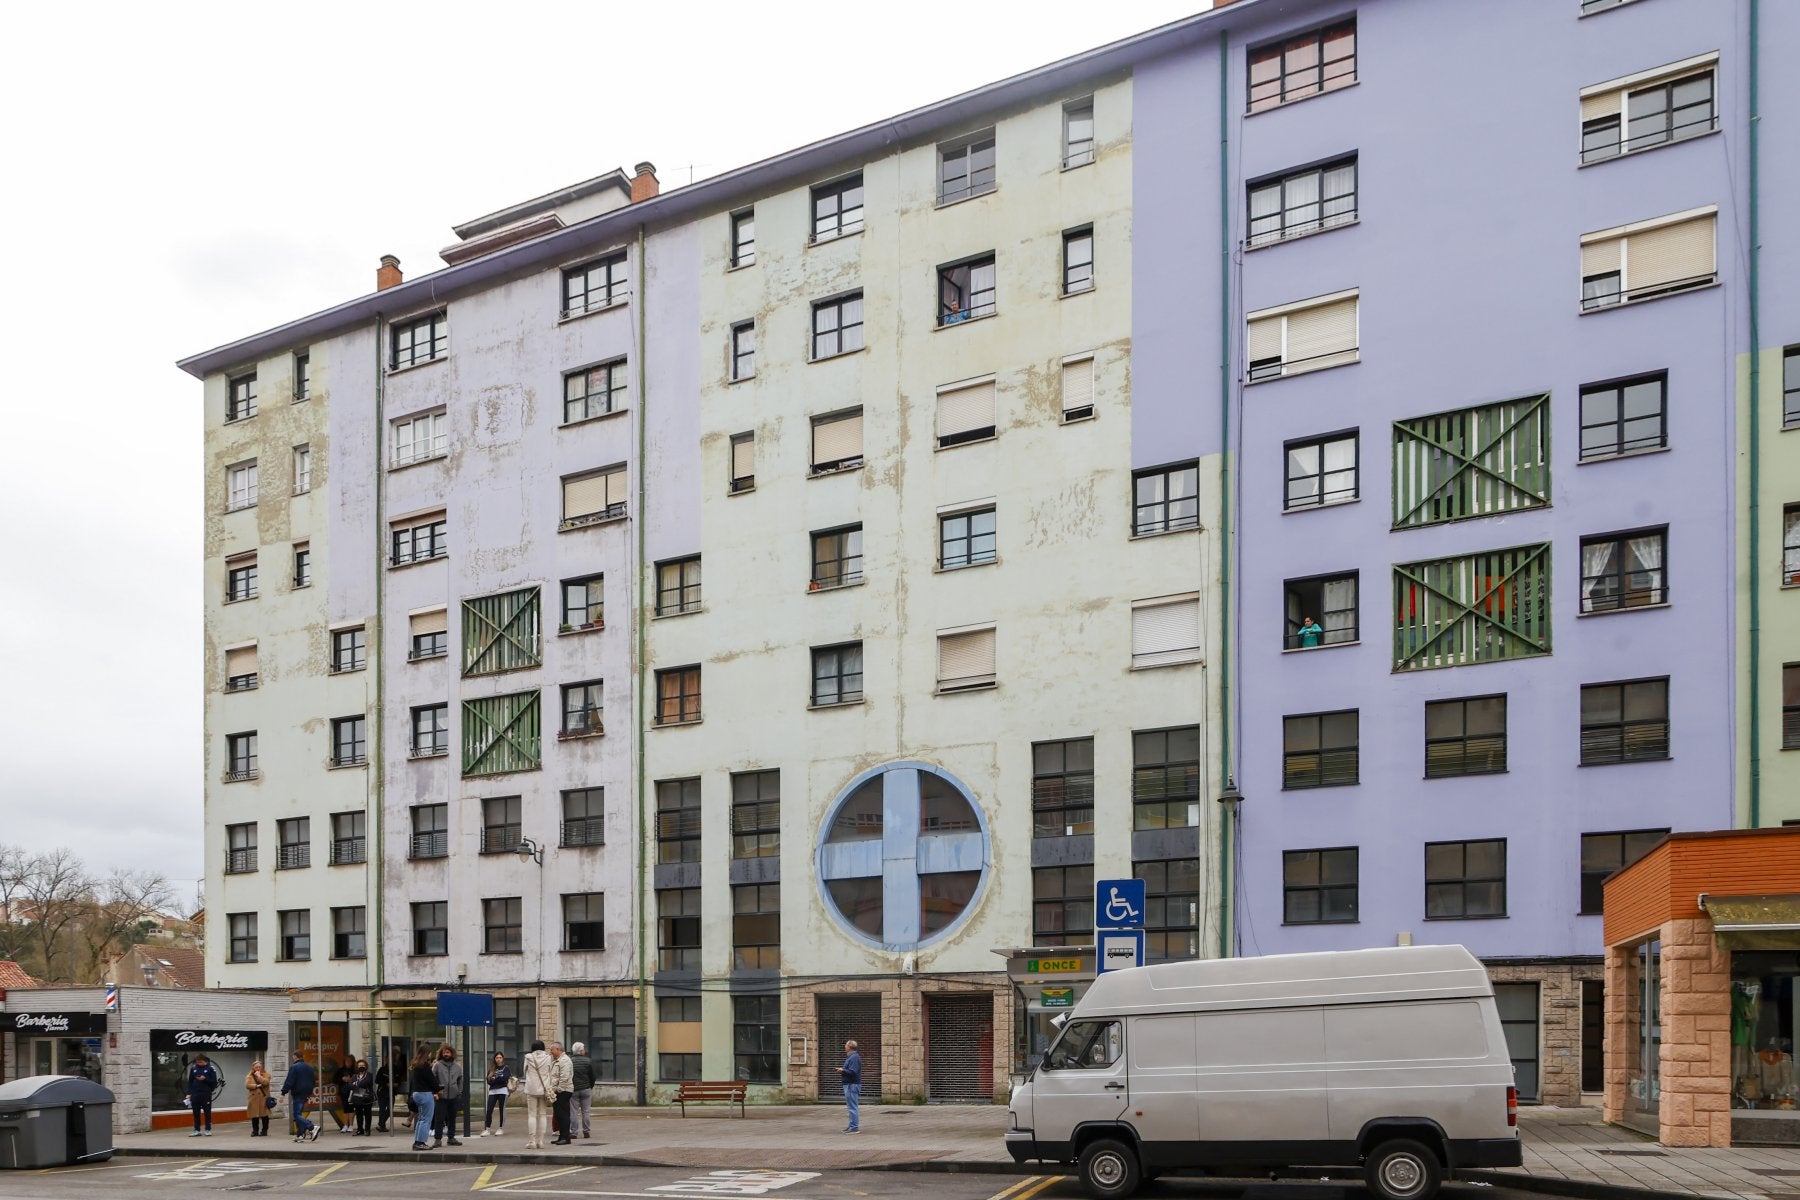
1392 1059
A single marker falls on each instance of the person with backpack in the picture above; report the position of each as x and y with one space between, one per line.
203 1084
298 1088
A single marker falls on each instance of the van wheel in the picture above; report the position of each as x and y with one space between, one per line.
1109 1170
1402 1170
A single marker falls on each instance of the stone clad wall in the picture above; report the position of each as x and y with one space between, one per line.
1559 1022
1696 1036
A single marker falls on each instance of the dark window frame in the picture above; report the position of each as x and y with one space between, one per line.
1333 634
684 595
428 831
836 658
502 824
1790 706
967 538
1062 905
1651 747
960 294
679 820
680 937
350 741
1790 387
592 612
1620 445
1078 276
349 837
842 219
586 827
756 1038
751 929
302 376
839 548
613 379
1060 791
407 349
240 848
1480 753
1165 784
1161 507
503 925
587 714
293 843
686 696
743 238
1160 893
242 931
349 649
1291 83
835 341
240 397
974 158
1284 228
430 928
583 922
1317 889
1463 879
350 932
240 581
755 814
742 351
420 542
604 283
1347 771
241 755
1593 880
294 935
1619 597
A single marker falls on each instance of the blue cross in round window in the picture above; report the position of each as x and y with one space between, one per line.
903 856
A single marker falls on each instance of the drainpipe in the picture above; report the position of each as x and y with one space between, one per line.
376 766
1756 581
637 608
1226 811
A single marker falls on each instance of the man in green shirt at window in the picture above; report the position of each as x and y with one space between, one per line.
1309 633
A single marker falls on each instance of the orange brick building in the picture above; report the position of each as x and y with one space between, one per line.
1703 989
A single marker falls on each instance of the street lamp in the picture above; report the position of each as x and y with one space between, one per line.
1232 800
530 851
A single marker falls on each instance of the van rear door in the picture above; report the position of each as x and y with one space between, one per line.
1081 1079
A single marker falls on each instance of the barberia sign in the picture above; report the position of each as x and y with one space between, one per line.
215 1041
56 1024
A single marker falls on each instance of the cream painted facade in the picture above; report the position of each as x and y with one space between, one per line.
1778 766
1059 597
288 628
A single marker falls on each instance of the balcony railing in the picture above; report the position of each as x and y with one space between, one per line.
584 831
585 722
346 850
240 862
429 845
241 772
287 858
241 683
501 839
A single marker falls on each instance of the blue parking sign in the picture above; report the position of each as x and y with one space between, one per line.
1119 904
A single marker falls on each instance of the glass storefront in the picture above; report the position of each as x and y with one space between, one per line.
1643 1055
66 1056
1765 1011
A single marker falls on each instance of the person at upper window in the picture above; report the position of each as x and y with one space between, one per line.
1311 633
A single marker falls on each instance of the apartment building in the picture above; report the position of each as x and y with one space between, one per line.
741 610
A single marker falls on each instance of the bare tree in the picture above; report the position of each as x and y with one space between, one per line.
15 869
122 903
59 893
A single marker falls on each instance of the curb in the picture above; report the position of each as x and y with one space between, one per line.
1543 1185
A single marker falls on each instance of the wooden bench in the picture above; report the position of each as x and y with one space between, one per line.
729 1091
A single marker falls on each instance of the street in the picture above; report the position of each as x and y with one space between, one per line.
146 1178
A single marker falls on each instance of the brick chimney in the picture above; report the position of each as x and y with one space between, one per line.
388 274
643 184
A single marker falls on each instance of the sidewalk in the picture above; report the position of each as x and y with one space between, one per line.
1568 1151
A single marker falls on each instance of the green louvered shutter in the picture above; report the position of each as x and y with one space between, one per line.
1474 462
500 633
1485 607
501 734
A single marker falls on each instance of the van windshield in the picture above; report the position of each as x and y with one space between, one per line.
1085 1045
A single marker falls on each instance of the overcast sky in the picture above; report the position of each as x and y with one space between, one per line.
183 175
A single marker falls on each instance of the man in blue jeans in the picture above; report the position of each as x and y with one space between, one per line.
852 1075
298 1088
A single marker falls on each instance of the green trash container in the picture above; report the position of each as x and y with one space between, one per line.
54 1120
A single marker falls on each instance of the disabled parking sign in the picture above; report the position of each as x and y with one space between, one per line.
1119 904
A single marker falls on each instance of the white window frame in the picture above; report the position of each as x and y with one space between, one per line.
436 440
302 469
1284 313
240 486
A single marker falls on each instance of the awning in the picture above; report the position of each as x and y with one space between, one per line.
1736 914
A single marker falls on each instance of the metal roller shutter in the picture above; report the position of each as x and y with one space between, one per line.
959 1049
1165 633
837 439
855 1017
1670 254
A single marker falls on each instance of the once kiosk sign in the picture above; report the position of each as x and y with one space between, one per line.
216 1041
56 1024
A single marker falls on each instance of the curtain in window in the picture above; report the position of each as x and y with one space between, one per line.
1595 561
1647 552
1339 617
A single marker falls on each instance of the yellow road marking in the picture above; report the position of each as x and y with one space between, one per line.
130 1166
1004 1193
487 1173
538 1178
320 1177
1042 1185
408 1174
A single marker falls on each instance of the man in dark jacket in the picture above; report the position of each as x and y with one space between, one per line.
298 1087
581 1116
202 1085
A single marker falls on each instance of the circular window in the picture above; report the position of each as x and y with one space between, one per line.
902 856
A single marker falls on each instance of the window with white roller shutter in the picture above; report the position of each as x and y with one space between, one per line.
1649 109
240 668
435 621
593 496
1078 389
1165 631
1308 335
837 441
965 413
965 660
743 462
1649 258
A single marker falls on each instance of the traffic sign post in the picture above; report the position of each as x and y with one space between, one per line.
1121 948
1119 904
464 1009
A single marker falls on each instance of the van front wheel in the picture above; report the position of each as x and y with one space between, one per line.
1109 1170
1402 1170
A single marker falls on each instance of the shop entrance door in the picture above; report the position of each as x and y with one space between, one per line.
1593 1035
856 1017
1518 1005
959 1048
